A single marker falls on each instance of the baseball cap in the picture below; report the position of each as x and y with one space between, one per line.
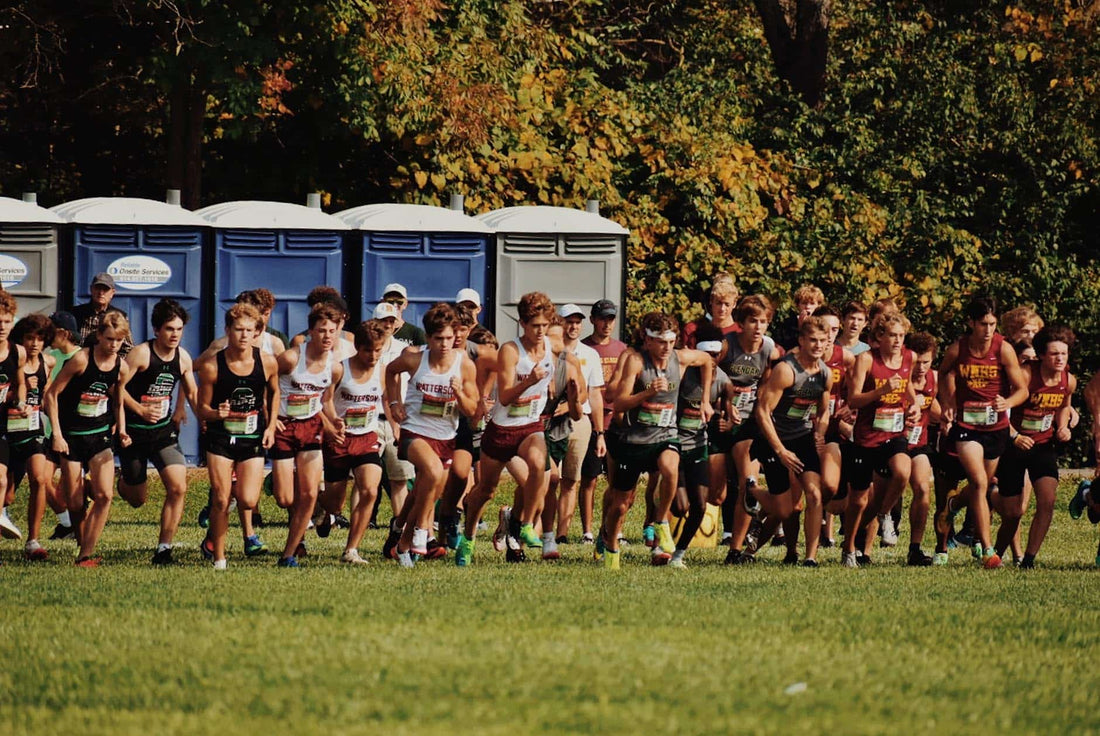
468 295
385 310
395 289
605 308
566 311
65 321
104 279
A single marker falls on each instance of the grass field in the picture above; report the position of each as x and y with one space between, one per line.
542 648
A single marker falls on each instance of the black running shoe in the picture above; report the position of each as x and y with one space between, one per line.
341 522
563 539
809 563
733 557
204 517
389 548
863 560
324 528
791 558
917 558
163 557
300 551
63 532
515 555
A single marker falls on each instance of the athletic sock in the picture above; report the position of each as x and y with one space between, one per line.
548 537
162 547
678 554
63 518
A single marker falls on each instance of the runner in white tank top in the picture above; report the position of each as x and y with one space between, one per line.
528 407
305 414
355 447
443 385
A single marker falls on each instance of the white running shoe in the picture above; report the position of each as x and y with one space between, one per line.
849 560
8 529
889 533
404 559
351 557
587 538
219 564
419 542
503 519
550 548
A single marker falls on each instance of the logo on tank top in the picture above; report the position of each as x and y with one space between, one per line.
894 397
1047 400
242 399
980 376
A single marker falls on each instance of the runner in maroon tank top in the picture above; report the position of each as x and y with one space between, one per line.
981 381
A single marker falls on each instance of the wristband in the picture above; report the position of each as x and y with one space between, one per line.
392 403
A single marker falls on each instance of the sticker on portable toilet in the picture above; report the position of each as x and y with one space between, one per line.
12 271
139 273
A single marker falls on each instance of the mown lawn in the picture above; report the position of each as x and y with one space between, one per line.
542 648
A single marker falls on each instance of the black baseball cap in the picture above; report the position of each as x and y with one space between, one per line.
66 321
605 308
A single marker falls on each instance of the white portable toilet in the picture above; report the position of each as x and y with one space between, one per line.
29 254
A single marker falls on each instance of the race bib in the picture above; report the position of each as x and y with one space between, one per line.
802 411
914 434
889 419
4 392
91 406
1036 423
247 423
691 420
303 406
19 423
361 419
529 406
832 405
438 406
657 415
979 414
160 403
746 399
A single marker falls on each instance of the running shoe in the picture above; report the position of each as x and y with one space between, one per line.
562 539
917 558
827 543
864 560
254 546
1027 563
351 557
1077 504
163 557
419 544
791 558
945 514
649 536
658 557
405 559
504 518
749 500
88 561
464 551
35 552
341 522
527 536
435 550
887 530
449 526
207 548
964 536
550 549
677 563
63 532
992 561
611 560
220 564
849 560
727 539
939 559
976 550
301 550
287 562
323 525
733 557
204 517
809 562
664 537
515 554
780 538
587 538
389 547
600 549
8 529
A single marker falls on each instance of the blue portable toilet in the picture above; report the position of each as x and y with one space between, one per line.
285 248
153 250
28 254
432 251
571 255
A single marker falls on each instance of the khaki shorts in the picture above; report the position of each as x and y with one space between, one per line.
578 448
395 469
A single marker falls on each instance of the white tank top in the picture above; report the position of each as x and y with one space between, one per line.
300 391
359 403
267 343
527 409
430 404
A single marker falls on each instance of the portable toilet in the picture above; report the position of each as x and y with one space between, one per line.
28 253
152 250
571 255
432 251
285 248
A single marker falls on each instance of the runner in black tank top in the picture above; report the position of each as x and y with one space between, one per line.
239 411
83 404
152 423
26 428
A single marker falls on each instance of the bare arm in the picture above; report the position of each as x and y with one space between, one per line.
1015 377
626 399
271 372
781 378
73 367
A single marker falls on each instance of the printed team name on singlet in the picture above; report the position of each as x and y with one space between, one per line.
979 376
744 397
244 416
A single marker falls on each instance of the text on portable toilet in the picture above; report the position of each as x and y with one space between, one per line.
12 271
139 273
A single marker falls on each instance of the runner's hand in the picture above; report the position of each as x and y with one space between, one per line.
1024 442
1063 435
999 404
223 410
536 375
790 461
397 411
60 446
601 447
269 437
124 440
659 385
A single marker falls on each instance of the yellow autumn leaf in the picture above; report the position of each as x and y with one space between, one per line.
421 179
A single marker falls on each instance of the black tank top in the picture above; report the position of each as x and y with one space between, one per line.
8 367
20 428
85 406
154 386
245 395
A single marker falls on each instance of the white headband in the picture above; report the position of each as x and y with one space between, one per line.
666 335
710 346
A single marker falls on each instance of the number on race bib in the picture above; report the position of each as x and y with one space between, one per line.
526 406
1036 423
657 415
361 419
438 406
29 423
889 419
914 434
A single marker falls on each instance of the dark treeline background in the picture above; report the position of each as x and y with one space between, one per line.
920 150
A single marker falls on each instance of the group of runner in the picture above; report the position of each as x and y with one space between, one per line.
837 427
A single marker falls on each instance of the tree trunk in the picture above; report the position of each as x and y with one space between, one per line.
185 129
798 35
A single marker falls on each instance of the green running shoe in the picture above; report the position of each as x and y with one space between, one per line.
976 550
254 546
664 537
527 536
464 551
600 549
939 559
1077 504
611 560
649 536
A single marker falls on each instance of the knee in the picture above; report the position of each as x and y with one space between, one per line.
103 495
813 497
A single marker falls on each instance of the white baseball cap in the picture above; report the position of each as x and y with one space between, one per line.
566 311
468 295
395 289
385 310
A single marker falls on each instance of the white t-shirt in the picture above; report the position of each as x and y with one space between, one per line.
590 369
390 352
